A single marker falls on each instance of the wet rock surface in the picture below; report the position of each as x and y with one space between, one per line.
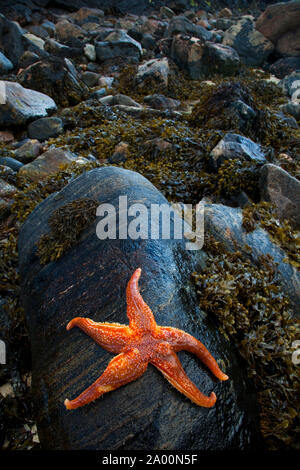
58 291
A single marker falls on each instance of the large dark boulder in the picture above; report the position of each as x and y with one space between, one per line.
90 280
57 78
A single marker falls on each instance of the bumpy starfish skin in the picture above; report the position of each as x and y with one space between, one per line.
139 343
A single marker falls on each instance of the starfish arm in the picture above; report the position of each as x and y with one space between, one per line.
168 363
110 336
139 313
179 340
121 370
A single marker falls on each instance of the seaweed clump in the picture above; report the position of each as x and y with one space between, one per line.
66 225
253 313
222 107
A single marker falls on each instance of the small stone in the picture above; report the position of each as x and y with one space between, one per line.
45 128
86 13
158 148
204 59
98 94
120 154
278 19
40 43
90 52
38 31
289 44
118 44
148 42
22 104
288 120
156 69
7 191
62 50
252 47
58 78
225 13
7 390
225 224
12 41
204 23
291 84
223 23
291 108
106 81
90 78
28 58
119 99
167 12
11 163
161 102
49 27
285 66
182 25
27 379
47 164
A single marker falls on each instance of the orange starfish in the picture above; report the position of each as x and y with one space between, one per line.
139 343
